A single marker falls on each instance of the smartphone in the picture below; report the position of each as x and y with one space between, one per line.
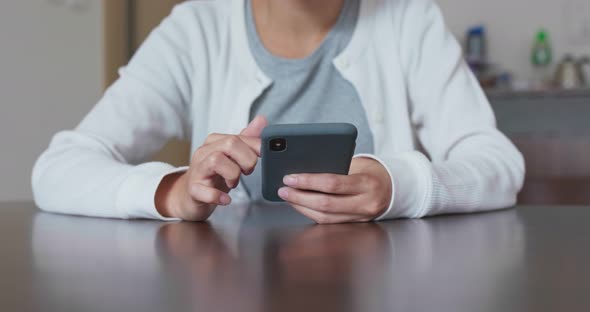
304 148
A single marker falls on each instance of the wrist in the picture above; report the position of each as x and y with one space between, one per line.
369 164
166 198
384 177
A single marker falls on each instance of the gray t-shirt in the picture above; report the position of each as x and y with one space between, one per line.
308 90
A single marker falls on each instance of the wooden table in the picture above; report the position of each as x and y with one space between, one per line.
269 258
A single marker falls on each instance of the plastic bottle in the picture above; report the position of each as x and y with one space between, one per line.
542 57
476 49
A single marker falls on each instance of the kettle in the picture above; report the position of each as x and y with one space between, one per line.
585 69
569 74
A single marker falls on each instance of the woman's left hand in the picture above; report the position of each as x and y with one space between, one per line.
361 196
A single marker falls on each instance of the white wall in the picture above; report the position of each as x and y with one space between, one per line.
512 25
50 76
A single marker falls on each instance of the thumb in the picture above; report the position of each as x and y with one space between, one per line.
254 129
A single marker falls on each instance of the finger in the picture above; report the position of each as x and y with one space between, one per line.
208 195
326 183
321 202
218 163
327 218
234 148
253 142
254 129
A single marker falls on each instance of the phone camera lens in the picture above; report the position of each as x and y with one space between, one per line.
278 145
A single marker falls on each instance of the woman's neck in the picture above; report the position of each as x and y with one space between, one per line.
294 28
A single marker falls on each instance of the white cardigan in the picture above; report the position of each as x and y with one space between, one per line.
432 125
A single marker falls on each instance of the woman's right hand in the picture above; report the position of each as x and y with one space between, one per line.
214 170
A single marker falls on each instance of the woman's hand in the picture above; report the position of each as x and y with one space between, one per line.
214 170
361 196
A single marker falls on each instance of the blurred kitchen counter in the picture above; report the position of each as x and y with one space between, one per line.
494 95
552 130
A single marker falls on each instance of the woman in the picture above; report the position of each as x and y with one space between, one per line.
427 137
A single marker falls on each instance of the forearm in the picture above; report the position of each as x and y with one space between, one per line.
78 176
476 183
482 173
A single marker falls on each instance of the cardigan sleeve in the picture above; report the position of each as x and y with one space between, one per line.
467 164
99 168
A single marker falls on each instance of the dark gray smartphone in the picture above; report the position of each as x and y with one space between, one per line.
304 148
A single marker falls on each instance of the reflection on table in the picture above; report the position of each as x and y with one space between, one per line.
268 258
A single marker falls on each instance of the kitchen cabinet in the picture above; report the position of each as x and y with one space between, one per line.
552 130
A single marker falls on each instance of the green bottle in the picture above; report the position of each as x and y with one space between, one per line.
542 52
541 58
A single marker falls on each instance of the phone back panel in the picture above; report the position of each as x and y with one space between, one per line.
310 148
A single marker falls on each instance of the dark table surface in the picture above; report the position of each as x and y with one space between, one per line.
268 258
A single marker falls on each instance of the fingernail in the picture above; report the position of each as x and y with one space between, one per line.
290 180
283 193
225 199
